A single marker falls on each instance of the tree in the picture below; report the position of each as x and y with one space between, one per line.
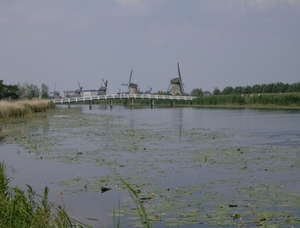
2 86
279 87
28 91
247 90
268 88
238 90
8 91
45 91
197 92
256 88
227 90
216 91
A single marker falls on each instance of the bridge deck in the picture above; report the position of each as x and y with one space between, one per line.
122 96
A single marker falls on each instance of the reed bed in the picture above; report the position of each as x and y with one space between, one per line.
287 100
23 108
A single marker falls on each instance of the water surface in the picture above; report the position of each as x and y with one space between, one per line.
190 163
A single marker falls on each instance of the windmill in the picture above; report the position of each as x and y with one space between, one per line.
148 91
176 85
77 92
132 87
55 94
103 88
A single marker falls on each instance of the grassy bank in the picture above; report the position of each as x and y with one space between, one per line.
27 209
23 108
284 100
288 100
254 100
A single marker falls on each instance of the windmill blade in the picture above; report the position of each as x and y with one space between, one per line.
103 82
80 88
106 83
130 77
181 88
169 87
179 71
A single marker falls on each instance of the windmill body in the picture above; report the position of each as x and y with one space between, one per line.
133 88
176 85
86 93
55 94
74 93
149 91
103 88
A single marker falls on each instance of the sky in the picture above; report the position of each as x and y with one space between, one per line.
217 43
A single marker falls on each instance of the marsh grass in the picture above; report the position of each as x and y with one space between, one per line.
20 208
23 108
288 100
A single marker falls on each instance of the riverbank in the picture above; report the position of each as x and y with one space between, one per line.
252 100
271 101
23 108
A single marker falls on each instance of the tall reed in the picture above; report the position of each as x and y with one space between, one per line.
23 108
139 205
292 100
28 209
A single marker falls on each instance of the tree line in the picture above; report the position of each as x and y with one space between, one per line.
24 91
29 91
278 87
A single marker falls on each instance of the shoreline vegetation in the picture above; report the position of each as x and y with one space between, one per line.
282 101
28 209
257 100
23 108
27 108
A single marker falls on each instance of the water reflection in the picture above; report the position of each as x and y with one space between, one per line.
177 119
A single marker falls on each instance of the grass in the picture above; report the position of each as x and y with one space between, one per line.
139 205
23 108
286 100
278 100
29 209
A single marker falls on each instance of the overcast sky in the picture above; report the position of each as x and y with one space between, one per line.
216 42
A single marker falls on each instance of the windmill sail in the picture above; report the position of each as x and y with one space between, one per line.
132 87
78 91
103 88
55 94
176 85
149 91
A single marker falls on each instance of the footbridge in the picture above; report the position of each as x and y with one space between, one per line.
131 97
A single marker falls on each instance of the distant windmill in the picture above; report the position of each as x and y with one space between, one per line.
132 87
103 88
55 94
176 85
148 91
77 92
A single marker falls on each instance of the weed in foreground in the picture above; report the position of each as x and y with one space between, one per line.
28 209
140 207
